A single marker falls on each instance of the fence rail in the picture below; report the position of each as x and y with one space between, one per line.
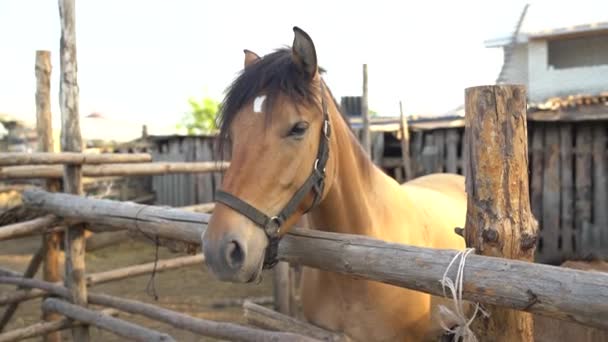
552 291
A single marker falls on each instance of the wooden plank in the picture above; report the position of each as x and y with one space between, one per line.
265 318
536 178
550 231
600 184
566 146
582 198
451 158
117 326
524 287
440 143
576 114
417 146
44 132
430 154
71 158
378 148
71 141
113 170
499 218
464 154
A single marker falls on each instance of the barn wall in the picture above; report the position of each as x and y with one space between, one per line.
185 189
568 180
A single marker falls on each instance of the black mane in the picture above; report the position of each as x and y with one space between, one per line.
273 74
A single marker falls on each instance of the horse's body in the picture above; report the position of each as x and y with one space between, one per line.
272 158
363 200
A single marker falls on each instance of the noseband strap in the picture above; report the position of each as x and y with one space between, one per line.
315 183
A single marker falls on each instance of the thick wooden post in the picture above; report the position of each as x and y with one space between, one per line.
366 140
499 220
44 129
405 145
71 141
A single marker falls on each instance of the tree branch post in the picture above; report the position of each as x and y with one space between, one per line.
44 130
71 141
366 139
499 220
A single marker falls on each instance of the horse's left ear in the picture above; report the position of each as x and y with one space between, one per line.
250 57
303 52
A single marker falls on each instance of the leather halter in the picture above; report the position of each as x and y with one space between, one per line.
315 182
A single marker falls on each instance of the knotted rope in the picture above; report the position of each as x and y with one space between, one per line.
462 329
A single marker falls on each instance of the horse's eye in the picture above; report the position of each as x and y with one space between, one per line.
298 129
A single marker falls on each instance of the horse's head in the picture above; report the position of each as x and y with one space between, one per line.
275 119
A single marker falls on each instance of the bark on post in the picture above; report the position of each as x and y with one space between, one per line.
44 130
71 141
499 220
366 140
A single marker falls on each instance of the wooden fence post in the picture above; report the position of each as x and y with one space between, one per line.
71 141
405 145
366 140
499 220
44 129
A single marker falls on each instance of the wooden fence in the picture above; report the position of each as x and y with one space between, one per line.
568 173
580 296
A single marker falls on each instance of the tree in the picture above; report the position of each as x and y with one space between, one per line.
202 117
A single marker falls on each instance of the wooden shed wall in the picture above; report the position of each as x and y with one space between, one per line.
568 180
185 189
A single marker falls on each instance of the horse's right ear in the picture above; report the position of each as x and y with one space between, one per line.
303 52
250 57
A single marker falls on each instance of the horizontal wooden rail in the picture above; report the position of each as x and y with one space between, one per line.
117 326
222 330
71 158
551 291
43 328
266 318
21 229
104 277
107 170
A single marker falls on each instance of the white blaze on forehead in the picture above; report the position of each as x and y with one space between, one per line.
258 103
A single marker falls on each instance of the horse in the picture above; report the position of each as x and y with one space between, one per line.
294 153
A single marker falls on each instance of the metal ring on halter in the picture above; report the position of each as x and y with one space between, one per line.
273 228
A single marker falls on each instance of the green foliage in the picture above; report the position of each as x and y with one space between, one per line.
202 117
372 113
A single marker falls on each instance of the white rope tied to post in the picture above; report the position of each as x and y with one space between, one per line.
462 329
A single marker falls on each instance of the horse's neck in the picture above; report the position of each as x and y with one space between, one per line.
359 193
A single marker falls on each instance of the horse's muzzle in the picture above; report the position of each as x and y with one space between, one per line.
236 255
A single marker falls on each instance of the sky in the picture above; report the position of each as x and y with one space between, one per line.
140 61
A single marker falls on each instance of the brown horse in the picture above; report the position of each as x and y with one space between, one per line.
293 153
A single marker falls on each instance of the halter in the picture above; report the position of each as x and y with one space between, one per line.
315 182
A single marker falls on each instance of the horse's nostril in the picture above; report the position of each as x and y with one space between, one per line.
234 255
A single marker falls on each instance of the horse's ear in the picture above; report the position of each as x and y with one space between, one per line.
250 57
303 52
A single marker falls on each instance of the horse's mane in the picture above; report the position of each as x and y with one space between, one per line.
272 75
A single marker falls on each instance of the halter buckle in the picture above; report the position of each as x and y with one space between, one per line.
273 227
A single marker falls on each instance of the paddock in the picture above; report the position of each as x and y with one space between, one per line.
90 297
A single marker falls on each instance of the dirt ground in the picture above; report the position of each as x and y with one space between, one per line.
188 290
